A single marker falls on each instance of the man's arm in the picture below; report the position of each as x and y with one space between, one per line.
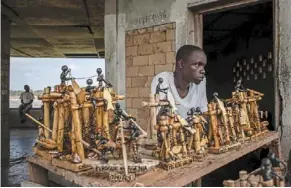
21 98
31 99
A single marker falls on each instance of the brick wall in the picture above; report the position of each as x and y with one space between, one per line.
5 66
149 51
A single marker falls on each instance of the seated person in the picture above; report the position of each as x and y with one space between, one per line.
187 85
26 103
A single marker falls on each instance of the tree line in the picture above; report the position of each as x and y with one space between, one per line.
18 92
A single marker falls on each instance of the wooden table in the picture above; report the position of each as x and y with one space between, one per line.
38 168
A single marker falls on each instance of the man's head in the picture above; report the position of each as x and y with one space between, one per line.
26 88
191 61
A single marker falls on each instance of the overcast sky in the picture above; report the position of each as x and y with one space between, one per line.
42 72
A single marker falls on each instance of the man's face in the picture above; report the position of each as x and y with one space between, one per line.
193 67
26 88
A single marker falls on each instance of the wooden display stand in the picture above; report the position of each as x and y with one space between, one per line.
158 177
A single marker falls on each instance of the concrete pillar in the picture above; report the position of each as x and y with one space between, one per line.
283 49
114 47
5 69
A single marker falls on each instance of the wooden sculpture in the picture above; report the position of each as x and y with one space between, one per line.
167 131
197 140
221 127
247 121
270 174
83 134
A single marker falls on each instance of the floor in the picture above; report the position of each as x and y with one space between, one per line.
23 139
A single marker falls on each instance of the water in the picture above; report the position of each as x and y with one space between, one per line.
14 103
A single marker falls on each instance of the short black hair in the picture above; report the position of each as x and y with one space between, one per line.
186 50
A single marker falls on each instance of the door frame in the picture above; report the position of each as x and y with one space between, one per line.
195 30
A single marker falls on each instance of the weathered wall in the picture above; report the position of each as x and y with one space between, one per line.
284 70
5 68
127 15
149 51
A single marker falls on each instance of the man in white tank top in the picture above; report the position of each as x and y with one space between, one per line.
187 85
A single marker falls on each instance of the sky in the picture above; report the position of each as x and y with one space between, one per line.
39 73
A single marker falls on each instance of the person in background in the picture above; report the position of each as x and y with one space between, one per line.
26 98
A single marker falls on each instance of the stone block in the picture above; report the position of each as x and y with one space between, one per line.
170 57
139 82
129 62
162 68
131 51
170 35
163 47
159 36
146 70
128 40
136 102
131 71
132 111
144 92
145 49
157 59
131 92
128 82
141 39
140 61
129 102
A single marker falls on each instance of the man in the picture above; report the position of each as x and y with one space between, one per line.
187 85
26 103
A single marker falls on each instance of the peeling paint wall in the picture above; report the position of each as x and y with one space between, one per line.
5 70
284 71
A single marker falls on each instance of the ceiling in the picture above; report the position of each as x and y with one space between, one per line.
56 28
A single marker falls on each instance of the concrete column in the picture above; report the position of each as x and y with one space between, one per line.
114 48
5 69
283 49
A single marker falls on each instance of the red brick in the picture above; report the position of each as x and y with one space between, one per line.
136 102
141 39
133 32
140 61
145 49
157 59
170 57
163 47
128 82
144 92
170 35
131 92
159 36
162 68
128 40
131 71
146 70
131 51
129 102
128 61
139 81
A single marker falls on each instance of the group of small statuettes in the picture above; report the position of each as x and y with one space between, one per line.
89 123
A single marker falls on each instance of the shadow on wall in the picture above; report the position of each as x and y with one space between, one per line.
14 120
